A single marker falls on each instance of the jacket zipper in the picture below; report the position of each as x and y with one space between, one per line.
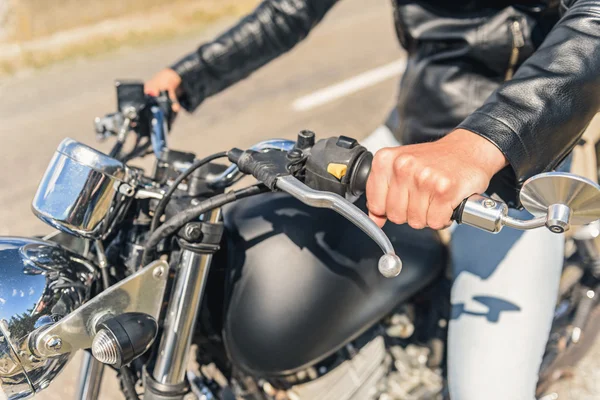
518 42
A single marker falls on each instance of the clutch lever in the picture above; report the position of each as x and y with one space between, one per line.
389 264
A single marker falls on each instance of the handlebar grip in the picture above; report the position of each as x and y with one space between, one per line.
360 173
457 214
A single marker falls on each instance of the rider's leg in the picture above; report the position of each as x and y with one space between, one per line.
503 297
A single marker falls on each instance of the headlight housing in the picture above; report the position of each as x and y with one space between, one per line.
40 283
83 192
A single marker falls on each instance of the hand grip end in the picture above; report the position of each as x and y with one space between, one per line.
390 265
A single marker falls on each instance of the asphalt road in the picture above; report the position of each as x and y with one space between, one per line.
38 110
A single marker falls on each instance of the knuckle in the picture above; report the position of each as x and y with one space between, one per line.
439 216
376 205
415 220
383 158
396 218
396 214
415 224
423 177
437 224
403 164
443 186
377 210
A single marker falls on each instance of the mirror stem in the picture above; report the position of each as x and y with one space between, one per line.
523 225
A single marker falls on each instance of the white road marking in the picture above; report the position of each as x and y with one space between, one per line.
349 86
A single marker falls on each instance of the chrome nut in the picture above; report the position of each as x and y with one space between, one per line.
558 219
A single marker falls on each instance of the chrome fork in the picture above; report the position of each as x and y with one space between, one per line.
168 376
90 378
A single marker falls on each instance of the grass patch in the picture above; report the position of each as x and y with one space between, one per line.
183 20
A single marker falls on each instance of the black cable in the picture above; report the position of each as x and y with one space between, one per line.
139 150
128 383
160 208
116 150
125 157
174 224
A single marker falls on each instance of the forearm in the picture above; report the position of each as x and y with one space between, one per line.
536 118
271 30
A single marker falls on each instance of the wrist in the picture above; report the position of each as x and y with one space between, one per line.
173 77
480 150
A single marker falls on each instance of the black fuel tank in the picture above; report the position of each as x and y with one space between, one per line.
305 281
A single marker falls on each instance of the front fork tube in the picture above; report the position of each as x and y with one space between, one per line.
167 380
90 378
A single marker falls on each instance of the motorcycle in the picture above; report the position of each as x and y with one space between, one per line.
270 288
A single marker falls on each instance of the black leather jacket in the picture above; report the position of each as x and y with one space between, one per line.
525 76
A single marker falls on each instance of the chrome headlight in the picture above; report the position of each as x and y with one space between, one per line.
83 191
40 283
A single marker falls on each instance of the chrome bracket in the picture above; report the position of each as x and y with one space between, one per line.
141 292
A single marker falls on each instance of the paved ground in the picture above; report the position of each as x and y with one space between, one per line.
38 110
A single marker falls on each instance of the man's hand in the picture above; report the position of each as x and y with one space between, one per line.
422 184
168 80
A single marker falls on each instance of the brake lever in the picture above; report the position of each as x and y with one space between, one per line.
389 264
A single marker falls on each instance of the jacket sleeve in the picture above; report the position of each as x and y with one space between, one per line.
269 31
536 118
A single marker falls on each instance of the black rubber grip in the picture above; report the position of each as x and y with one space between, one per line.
458 211
360 173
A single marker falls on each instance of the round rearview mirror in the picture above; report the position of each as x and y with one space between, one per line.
579 194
